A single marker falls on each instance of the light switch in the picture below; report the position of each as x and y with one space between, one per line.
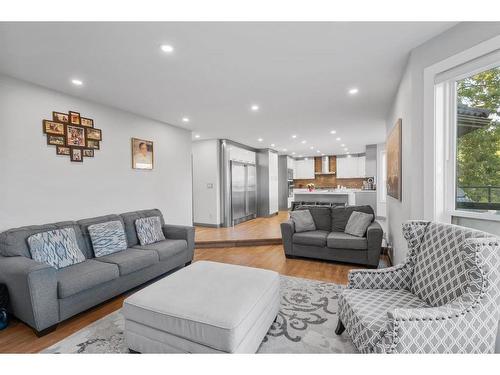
210 186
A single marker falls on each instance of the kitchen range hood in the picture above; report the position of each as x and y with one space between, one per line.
325 166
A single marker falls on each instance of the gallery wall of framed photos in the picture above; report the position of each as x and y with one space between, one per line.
73 135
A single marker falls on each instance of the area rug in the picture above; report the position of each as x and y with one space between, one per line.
305 324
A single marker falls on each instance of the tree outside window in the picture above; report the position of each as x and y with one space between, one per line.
478 141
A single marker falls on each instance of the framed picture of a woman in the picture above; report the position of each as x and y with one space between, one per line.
142 154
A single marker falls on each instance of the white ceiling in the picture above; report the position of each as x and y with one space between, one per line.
298 73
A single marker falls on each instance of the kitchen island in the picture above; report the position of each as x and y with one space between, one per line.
346 196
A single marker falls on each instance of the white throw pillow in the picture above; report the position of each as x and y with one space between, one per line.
358 223
107 238
303 221
149 230
57 248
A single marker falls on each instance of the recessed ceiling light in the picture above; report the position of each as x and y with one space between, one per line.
167 48
272 145
311 148
346 149
353 91
294 136
338 138
306 159
254 107
342 145
76 82
300 155
197 136
322 154
318 151
332 132
284 150
185 119
293 153
260 139
348 155
303 142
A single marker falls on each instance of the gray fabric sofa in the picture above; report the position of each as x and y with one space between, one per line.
329 242
42 296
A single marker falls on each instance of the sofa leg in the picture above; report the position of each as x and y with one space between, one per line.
340 328
131 351
288 256
45 331
187 264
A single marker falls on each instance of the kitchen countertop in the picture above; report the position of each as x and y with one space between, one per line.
326 191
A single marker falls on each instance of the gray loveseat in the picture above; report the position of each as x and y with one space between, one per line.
42 296
329 242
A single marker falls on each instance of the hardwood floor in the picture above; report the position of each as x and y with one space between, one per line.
250 233
19 338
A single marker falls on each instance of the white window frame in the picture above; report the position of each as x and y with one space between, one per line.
440 128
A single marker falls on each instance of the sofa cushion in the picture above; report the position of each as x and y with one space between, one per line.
14 242
108 238
311 238
321 216
149 230
364 312
129 219
303 221
166 249
340 216
339 240
131 260
358 223
82 276
86 223
57 248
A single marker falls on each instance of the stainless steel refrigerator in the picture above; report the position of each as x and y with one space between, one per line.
243 192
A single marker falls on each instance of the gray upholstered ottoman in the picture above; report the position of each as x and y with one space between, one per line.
206 307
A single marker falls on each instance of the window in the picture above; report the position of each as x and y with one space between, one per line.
477 142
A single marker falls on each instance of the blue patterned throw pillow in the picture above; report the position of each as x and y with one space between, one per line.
149 230
57 248
107 238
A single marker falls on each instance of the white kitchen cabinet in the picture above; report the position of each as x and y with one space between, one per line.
304 168
351 167
361 166
242 155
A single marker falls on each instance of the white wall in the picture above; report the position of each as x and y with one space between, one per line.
380 180
206 182
409 105
37 186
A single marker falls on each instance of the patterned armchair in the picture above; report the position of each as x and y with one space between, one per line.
444 299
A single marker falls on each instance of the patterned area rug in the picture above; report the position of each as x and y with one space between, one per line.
305 324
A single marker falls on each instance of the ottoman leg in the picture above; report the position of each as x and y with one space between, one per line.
187 264
133 351
340 328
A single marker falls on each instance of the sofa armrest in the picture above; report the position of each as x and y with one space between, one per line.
287 231
374 235
32 290
397 277
181 232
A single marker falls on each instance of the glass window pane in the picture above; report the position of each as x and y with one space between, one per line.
478 142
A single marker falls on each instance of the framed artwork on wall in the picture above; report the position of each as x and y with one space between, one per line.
74 136
142 154
394 161
51 127
87 122
76 154
60 117
63 150
56 140
74 118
